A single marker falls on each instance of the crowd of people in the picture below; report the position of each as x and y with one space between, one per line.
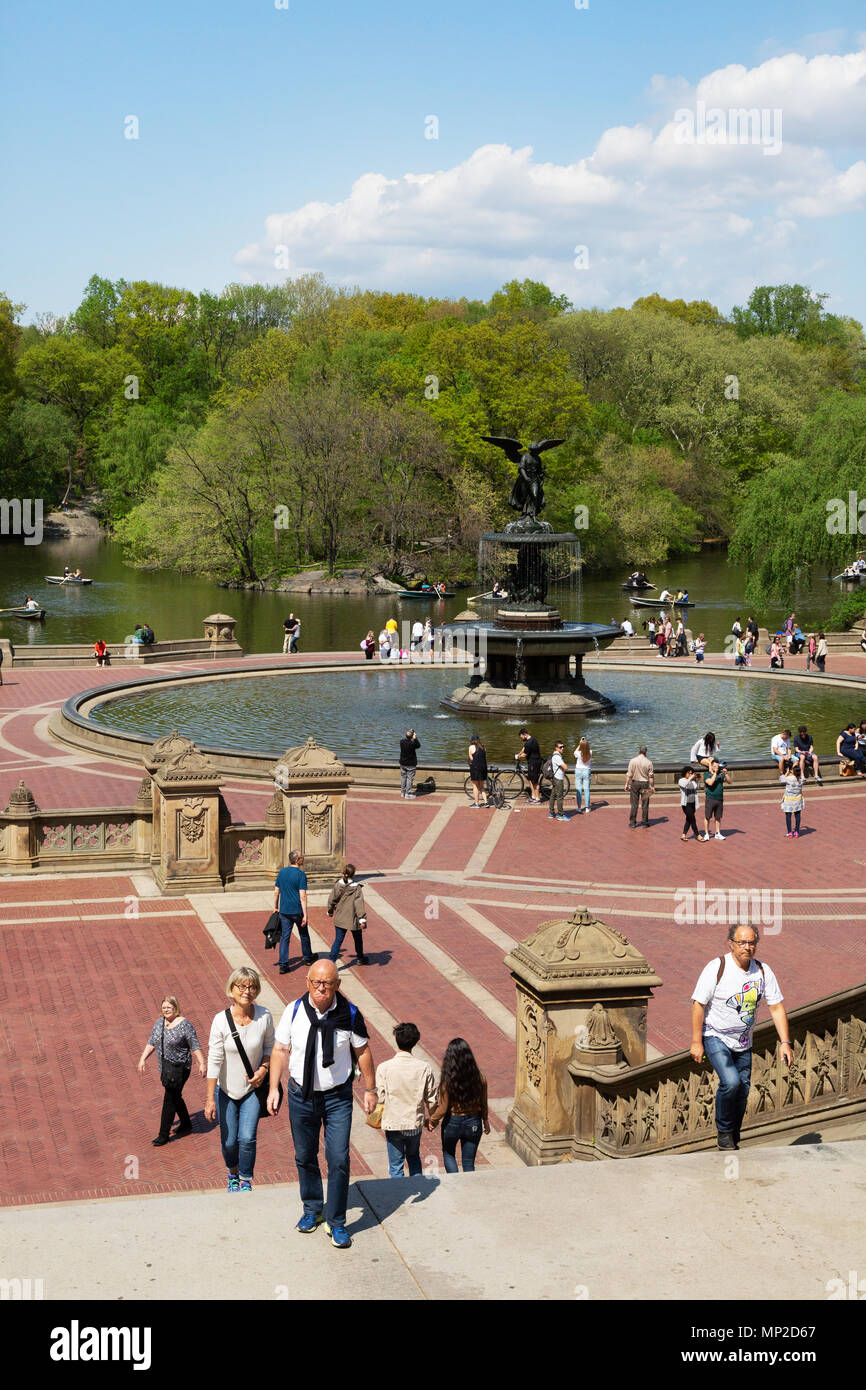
323 1040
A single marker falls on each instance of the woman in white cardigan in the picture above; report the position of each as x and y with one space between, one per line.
236 1101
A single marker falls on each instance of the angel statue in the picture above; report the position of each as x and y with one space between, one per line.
527 495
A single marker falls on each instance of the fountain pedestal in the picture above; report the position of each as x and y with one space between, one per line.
535 673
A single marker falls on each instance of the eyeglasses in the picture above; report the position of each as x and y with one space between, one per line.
752 945
322 984
245 989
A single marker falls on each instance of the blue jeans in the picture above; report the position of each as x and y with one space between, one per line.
333 1109
287 921
466 1129
734 1070
403 1144
239 1120
581 785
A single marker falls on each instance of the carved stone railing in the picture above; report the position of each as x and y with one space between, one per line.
33 840
667 1106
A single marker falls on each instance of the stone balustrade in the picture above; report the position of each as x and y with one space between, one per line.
584 1089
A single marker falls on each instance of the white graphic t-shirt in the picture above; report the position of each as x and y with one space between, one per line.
734 1000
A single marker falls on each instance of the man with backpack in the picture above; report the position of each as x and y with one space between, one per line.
724 1005
321 1031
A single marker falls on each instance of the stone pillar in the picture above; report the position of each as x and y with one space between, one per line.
314 783
163 751
219 630
189 824
19 850
579 984
274 852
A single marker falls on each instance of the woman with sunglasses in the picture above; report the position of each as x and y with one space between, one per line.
232 1094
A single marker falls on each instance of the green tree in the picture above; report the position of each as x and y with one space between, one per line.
10 335
797 513
695 311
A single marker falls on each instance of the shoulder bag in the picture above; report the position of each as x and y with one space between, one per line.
263 1088
172 1074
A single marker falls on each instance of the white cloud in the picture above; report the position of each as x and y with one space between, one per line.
685 218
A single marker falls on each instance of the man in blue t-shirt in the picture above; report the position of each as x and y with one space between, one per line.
290 900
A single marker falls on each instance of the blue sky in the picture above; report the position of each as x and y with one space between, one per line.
257 123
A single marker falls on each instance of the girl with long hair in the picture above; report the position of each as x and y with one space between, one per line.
462 1105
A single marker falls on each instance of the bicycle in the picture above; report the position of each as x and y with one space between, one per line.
503 785
507 784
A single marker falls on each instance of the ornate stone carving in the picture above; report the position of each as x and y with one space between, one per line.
86 837
316 823
274 815
21 802
118 835
600 1034
144 795
680 1107
704 1107
650 1119
55 837
166 749
189 766
582 947
307 760
534 1044
219 627
249 852
192 819
795 1077
2 839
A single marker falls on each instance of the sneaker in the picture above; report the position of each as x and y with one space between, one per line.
309 1221
789 835
246 1185
339 1236
703 837
796 834
820 781
718 835
562 818
233 1184
551 817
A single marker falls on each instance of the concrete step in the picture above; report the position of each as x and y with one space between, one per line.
662 1228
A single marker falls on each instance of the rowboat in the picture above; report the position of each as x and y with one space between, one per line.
423 593
634 588
22 612
661 603
58 579
849 578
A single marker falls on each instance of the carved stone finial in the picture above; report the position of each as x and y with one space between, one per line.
144 796
275 815
21 802
165 749
189 766
581 947
307 760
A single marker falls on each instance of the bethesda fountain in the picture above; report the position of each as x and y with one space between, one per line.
529 662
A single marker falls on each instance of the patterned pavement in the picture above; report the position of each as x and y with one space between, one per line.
87 958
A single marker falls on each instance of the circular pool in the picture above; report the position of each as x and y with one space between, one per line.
362 713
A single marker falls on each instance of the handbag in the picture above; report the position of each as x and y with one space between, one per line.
272 931
171 1074
264 1086
374 1119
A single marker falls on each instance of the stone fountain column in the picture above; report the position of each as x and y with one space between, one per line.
580 984
164 750
314 783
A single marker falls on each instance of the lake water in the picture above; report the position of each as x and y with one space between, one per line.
175 605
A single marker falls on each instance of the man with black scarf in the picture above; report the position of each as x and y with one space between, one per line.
320 1031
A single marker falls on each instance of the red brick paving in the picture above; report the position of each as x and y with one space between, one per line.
79 997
